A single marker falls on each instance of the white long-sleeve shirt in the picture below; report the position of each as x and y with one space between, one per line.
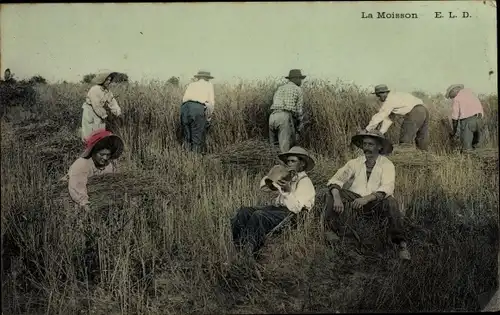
94 111
398 103
382 178
201 91
301 196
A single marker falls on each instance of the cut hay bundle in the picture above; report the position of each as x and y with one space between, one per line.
253 155
111 189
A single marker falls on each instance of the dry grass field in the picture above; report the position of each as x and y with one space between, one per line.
161 243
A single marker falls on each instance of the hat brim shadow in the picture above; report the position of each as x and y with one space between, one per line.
301 77
387 147
116 150
309 161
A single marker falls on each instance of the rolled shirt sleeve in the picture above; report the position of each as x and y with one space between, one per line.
113 105
381 116
386 123
342 176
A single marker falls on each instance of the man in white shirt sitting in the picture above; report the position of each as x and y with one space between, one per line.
250 225
196 111
415 126
371 178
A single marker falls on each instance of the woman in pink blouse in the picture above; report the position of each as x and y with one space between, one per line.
101 148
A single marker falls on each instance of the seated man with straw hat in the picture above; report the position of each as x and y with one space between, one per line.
101 148
468 110
250 225
99 97
371 177
415 126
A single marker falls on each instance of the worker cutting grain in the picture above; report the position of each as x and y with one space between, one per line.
468 110
101 148
371 178
196 111
287 113
415 126
296 194
99 97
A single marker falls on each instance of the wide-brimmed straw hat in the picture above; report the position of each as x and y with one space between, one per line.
101 77
301 153
295 73
203 74
451 88
357 140
381 88
115 143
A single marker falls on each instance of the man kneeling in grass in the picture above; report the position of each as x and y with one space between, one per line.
373 176
296 194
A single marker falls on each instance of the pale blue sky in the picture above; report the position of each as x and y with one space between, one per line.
256 40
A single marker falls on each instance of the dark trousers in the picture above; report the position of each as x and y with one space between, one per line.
194 126
250 225
470 132
387 207
415 127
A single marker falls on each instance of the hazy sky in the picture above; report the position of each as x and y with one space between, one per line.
256 40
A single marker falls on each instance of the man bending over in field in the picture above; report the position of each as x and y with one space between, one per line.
296 193
372 187
415 125
196 111
287 116
468 110
101 148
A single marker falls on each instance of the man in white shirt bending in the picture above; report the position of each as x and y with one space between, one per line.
250 225
196 111
371 178
415 126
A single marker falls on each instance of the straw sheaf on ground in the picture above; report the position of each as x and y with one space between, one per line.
165 247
